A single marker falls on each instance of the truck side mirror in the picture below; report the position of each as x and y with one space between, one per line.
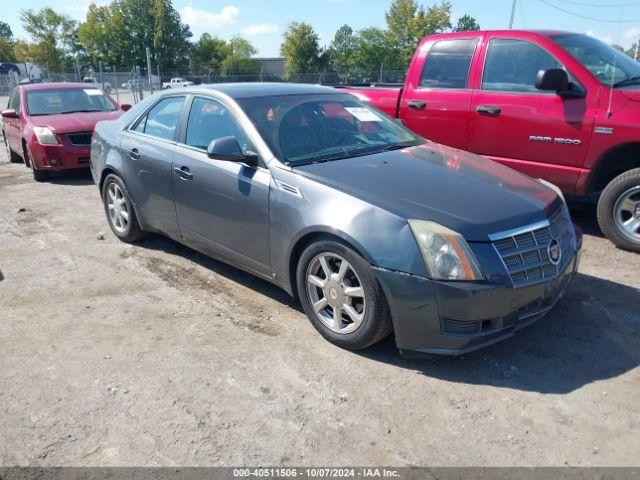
554 79
228 149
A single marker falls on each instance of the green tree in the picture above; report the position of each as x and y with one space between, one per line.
238 59
371 50
466 23
53 35
119 33
300 48
341 50
208 52
7 43
408 23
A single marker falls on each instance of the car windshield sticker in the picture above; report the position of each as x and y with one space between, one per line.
92 91
363 114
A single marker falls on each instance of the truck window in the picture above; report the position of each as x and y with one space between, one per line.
512 65
447 64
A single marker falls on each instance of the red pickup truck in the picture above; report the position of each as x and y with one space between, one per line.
560 106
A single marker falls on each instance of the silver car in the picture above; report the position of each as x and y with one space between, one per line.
372 227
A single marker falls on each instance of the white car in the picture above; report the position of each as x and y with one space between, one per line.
176 82
97 84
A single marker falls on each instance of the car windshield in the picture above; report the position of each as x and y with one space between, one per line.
610 66
68 100
303 129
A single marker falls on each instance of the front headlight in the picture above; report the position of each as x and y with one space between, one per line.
45 136
446 253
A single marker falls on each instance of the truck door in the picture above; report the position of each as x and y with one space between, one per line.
437 97
540 133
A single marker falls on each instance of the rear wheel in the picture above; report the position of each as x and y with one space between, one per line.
12 156
341 296
619 210
119 210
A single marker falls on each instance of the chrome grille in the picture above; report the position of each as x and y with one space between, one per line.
525 253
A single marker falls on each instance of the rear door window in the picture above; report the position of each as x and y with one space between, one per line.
14 101
448 64
512 65
162 119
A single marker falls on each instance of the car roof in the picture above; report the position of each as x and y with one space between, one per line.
261 89
54 86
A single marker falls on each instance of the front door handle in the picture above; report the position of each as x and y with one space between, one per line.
416 104
134 153
489 110
184 173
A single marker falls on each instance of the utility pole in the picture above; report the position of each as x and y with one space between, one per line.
149 70
513 12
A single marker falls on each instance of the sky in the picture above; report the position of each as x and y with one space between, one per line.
263 22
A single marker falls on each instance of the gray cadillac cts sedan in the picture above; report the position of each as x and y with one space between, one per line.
372 227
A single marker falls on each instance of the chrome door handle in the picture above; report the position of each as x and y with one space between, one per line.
416 104
184 173
489 110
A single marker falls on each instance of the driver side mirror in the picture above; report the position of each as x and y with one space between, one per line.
9 113
554 79
557 80
228 149
125 107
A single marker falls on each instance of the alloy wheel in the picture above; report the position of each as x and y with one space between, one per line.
335 293
117 208
626 212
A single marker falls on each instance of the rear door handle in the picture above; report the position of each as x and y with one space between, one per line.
134 153
488 110
184 173
416 104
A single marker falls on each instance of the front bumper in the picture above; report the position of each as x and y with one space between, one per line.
453 318
60 157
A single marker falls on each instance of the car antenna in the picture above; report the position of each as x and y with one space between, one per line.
613 74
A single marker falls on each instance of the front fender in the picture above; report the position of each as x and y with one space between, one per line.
382 238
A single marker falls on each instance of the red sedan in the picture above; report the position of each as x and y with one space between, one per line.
49 125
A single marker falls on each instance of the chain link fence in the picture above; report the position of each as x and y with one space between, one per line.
137 83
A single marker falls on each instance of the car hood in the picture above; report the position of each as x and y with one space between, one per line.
73 122
462 191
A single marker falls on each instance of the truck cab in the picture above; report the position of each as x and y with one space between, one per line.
555 105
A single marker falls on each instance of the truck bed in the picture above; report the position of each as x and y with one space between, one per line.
385 98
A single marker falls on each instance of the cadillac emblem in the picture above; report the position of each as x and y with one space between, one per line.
554 251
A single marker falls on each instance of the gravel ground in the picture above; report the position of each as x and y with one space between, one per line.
156 355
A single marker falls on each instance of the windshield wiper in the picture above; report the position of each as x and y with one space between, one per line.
82 111
627 81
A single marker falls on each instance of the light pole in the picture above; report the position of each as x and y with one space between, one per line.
513 12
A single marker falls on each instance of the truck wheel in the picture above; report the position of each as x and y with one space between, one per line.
11 155
119 210
619 210
341 296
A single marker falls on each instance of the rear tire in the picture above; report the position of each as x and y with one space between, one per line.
119 210
12 156
361 315
619 210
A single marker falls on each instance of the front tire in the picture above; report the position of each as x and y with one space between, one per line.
619 210
341 295
38 175
119 210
